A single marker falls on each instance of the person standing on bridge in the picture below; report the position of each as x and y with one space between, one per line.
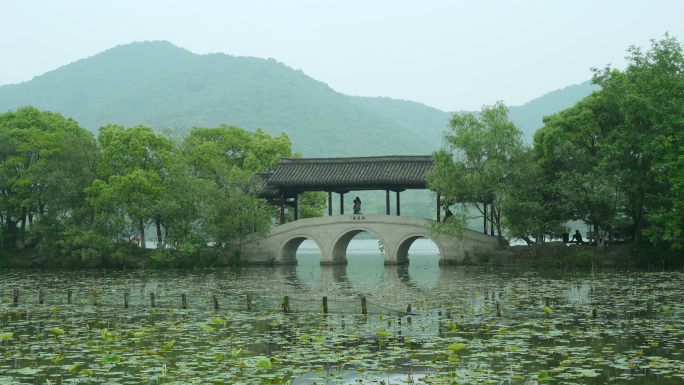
357 206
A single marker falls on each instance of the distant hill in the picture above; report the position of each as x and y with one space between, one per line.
430 123
424 121
529 116
158 84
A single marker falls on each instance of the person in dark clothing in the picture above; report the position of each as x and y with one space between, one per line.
357 206
447 214
566 236
577 237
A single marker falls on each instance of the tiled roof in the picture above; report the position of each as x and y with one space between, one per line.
328 174
265 191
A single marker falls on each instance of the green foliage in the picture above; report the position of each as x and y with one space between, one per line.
646 253
614 159
473 165
575 257
235 260
75 200
45 163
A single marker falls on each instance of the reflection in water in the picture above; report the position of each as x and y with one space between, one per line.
366 264
334 273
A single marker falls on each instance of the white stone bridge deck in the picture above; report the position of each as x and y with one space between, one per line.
332 234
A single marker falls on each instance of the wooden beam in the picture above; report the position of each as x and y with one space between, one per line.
282 209
296 208
398 204
387 196
341 203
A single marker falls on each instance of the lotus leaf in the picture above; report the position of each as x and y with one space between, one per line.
263 362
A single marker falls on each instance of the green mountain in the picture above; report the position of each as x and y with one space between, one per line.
158 84
424 121
529 116
429 123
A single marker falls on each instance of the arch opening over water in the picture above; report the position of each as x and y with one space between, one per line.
404 247
341 244
288 252
333 234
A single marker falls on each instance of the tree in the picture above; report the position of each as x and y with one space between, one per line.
474 163
531 207
133 163
570 149
45 162
213 152
645 147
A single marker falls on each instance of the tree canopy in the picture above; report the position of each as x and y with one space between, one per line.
613 160
64 191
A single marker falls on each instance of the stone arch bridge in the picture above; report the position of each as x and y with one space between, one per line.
332 234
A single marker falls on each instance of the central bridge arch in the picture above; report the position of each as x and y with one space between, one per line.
332 235
340 245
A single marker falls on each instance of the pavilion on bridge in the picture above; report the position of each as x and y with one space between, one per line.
342 175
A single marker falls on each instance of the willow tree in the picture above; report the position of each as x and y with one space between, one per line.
472 166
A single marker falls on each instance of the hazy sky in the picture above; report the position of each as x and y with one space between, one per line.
451 55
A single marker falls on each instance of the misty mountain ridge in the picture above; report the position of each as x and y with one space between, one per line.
160 85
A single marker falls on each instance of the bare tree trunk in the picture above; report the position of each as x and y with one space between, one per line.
491 219
159 234
12 225
142 234
23 219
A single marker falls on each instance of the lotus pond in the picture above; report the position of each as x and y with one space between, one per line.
556 326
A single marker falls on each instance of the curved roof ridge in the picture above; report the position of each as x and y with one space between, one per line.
352 173
359 159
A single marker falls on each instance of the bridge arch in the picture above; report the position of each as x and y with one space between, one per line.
288 251
341 243
401 255
332 235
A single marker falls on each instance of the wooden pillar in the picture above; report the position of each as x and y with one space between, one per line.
296 206
282 208
485 219
330 203
438 208
398 205
387 199
341 203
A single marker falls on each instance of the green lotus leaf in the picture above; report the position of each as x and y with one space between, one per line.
111 360
263 362
207 328
57 358
456 347
168 346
